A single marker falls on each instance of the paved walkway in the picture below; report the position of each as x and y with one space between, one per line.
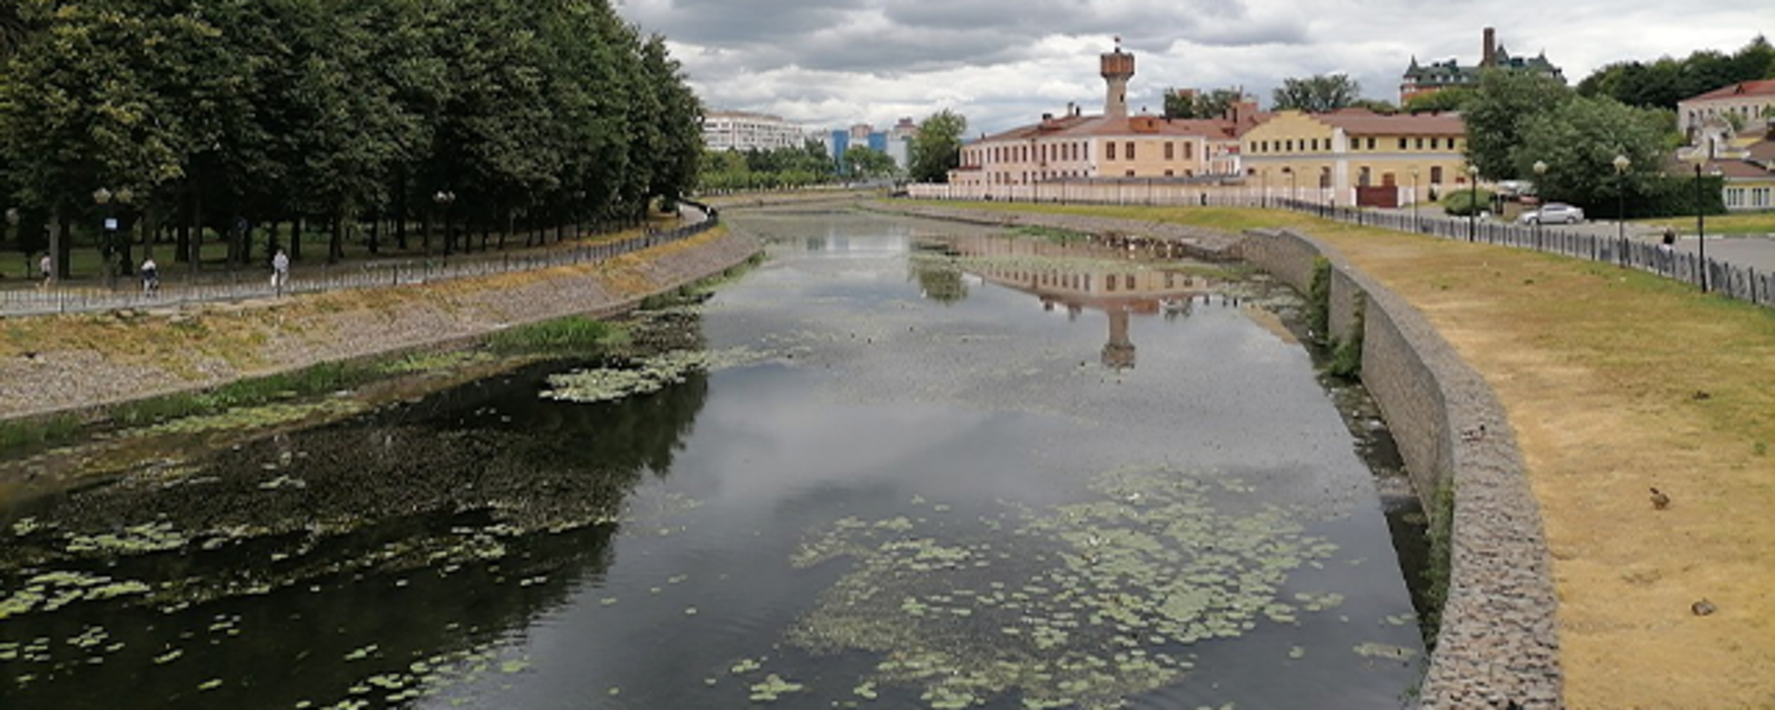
179 286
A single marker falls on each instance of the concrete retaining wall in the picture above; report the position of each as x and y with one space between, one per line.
1499 645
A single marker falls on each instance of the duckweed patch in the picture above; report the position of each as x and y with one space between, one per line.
1085 604
646 376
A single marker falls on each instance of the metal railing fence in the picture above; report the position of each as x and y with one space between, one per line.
1732 280
241 286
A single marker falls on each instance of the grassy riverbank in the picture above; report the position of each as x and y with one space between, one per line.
1616 381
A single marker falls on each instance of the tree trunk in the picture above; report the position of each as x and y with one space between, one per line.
246 245
182 251
196 259
64 244
400 208
148 229
336 245
296 239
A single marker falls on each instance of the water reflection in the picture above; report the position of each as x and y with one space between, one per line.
1119 281
425 533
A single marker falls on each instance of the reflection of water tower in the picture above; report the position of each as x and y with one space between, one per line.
1118 68
1118 353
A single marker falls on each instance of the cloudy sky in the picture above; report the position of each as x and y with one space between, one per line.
1000 63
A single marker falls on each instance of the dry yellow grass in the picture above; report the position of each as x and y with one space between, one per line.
1618 382
238 333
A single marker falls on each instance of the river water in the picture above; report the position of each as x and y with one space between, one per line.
919 465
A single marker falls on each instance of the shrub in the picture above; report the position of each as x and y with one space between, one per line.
1460 203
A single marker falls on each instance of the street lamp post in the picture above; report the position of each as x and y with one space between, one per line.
108 249
444 198
12 217
1540 200
1414 199
1472 202
12 224
1699 159
1621 164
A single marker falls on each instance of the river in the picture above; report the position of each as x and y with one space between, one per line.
914 464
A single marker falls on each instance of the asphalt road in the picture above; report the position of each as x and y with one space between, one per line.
1756 252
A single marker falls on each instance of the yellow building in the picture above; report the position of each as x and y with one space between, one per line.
1356 157
1074 147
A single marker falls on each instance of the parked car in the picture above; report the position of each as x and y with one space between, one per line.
1553 213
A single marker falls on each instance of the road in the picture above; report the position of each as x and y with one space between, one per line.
1756 252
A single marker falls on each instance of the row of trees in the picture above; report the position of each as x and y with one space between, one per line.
731 170
1658 84
1516 119
215 113
1663 83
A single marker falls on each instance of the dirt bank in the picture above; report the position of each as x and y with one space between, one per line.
61 363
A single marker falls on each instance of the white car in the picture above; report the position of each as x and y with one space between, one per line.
1553 213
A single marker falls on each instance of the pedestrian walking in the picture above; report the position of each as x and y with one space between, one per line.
1669 242
44 267
150 277
280 271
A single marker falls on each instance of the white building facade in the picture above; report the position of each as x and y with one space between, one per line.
743 131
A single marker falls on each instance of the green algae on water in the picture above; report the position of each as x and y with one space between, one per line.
1085 605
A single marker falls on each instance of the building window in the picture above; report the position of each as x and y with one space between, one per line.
1169 173
1130 172
1112 151
1402 144
1129 146
1435 144
1289 146
1371 144
1170 149
1188 151
1420 144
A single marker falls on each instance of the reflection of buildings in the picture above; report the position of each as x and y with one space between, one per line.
1078 277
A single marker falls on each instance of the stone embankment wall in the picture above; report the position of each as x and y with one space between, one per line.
1498 646
293 333
1196 241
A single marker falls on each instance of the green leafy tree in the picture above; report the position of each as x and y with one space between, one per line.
1382 107
1579 140
681 140
1453 98
340 112
1504 102
1212 104
868 163
936 147
1316 94
1666 81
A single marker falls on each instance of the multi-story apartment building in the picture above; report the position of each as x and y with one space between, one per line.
743 131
